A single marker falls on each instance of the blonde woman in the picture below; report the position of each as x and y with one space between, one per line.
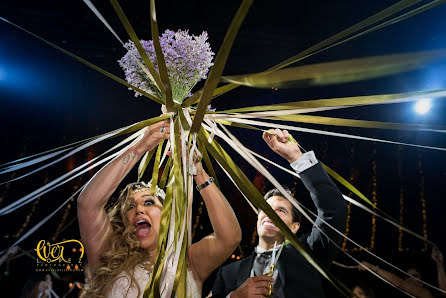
121 242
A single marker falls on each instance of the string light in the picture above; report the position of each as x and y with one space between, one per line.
347 226
64 218
400 231
400 174
27 218
11 176
72 286
375 203
349 205
69 166
422 199
374 200
7 187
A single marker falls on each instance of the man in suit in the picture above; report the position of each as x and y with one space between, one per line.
293 276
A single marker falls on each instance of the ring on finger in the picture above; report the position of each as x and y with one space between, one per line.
163 129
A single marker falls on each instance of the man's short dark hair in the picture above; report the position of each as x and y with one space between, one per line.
297 217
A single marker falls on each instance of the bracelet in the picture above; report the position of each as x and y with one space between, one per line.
210 181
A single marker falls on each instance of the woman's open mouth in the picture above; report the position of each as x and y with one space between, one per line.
142 228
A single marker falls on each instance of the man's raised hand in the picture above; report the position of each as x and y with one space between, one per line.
280 141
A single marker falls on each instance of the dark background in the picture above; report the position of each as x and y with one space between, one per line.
48 99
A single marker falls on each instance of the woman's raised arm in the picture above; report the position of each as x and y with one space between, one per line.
211 251
94 225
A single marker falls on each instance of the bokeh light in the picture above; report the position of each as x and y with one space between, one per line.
423 106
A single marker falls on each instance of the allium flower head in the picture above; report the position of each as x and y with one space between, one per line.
188 59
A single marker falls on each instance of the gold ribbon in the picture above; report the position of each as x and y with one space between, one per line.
167 90
125 22
156 167
342 101
358 123
146 160
346 35
344 71
165 174
219 64
257 199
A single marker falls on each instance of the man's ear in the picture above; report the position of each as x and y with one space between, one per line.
295 227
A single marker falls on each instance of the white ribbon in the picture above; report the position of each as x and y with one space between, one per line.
83 146
100 17
241 150
173 248
32 162
49 186
235 184
322 132
236 145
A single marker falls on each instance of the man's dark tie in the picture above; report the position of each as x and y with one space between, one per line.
261 261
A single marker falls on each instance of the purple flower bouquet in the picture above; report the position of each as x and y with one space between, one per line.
188 59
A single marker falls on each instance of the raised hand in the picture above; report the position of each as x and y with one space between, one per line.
280 141
154 134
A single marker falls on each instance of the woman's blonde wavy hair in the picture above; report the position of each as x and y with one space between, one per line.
123 253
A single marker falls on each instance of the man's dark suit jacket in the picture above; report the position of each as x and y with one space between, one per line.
299 278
